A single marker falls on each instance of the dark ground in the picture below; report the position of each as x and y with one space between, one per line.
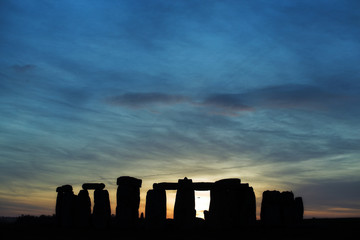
43 227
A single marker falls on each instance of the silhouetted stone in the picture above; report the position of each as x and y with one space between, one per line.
219 204
94 186
84 208
65 208
59 204
231 204
128 200
184 209
228 183
65 188
207 216
102 211
155 209
281 208
248 206
271 208
126 180
201 186
287 207
68 209
299 209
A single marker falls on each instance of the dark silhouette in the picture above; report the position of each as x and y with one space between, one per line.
66 203
94 186
231 213
59 205
281 208
232 204
84 208
128 200
299 209
72 210
155 208
184 209
102 210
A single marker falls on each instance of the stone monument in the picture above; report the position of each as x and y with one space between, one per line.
128 200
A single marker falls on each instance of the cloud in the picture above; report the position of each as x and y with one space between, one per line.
22 68
217 104
286 96
294 96
140 100
225 104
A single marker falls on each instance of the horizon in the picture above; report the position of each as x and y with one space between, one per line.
199 205
264 91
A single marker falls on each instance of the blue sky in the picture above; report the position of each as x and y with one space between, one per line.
267 91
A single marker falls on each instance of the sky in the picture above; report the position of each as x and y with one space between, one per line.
264 91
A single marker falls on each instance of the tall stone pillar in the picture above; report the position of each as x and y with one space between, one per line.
84 208
252 209
68 206
299 209
59 205
281 208
287 207
128 200
184 209
247 202
232 204
155 209
221 203
102 210
271 208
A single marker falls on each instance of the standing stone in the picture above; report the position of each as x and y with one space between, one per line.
66 203
271 208
299 209
155 209
248 205
94 186
281 208
287 203
184 209
215 210
232 204
128 200
84 208
59 205
102 211
69 204
222 208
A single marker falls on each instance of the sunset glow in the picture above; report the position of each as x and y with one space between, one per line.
202 203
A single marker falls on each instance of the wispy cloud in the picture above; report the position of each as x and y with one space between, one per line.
289 96
294 96
22 68
217 104
139 100
226 104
